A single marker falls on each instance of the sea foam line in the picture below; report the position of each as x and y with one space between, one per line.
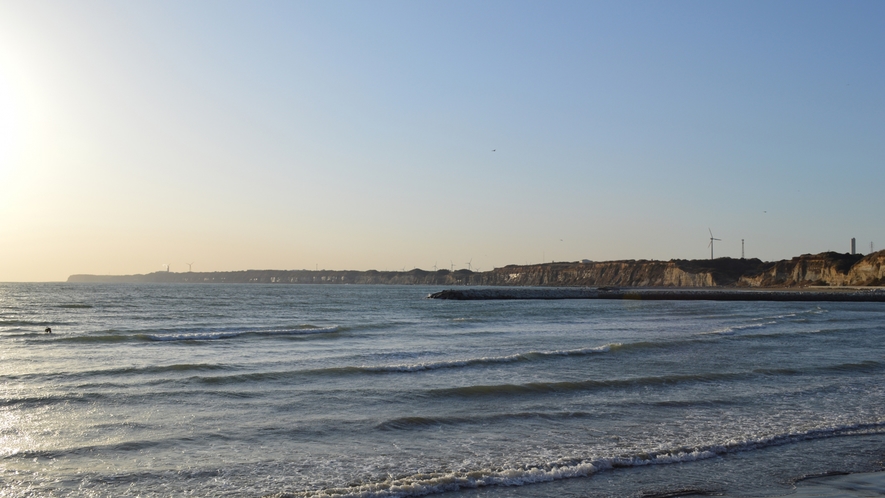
771 320
433 483
731 330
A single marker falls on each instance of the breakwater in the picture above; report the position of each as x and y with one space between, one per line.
845 295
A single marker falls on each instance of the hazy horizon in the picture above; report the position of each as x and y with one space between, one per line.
397 135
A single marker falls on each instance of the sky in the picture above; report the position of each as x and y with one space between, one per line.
393 135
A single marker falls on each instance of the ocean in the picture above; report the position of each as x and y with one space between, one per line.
306 391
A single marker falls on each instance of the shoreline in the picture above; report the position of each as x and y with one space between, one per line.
657 294
851 485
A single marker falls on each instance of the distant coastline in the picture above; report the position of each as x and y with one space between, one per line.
809 270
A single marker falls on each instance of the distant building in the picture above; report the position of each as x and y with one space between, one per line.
853 246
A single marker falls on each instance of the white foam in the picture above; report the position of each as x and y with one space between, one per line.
432 483
737 328
212 336
570 352
772 320
417 367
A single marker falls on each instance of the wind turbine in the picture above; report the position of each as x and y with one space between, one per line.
434 266
711 242
468 264
189 265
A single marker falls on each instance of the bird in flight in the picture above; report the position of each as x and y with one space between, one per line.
493 150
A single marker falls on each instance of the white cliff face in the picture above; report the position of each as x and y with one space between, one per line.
677 277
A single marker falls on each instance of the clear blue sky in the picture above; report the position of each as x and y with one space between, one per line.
360 135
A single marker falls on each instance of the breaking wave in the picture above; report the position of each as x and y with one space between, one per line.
438 482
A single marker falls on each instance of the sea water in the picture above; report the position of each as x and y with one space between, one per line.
291 390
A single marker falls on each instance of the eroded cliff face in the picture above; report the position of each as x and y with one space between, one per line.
869 270
608 273
828 269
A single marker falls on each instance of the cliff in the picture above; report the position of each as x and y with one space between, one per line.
825 269
829 268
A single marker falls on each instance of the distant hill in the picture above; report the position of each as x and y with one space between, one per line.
825 269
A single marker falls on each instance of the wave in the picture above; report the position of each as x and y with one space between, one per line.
204 335
865 366
411 423
565 468
400 368
662 380
21 323
581 385
348 370
485 360
733 329
126 446
212 336
119 372
74 306
109 336
763 322
33 401
20 334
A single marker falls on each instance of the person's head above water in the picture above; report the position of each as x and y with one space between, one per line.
48 330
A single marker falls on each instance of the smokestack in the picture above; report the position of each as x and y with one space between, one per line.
853 243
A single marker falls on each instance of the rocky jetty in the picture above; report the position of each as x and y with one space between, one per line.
497 293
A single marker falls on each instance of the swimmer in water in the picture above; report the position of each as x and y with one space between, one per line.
48 330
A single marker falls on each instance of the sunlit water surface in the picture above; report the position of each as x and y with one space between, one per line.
254 390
